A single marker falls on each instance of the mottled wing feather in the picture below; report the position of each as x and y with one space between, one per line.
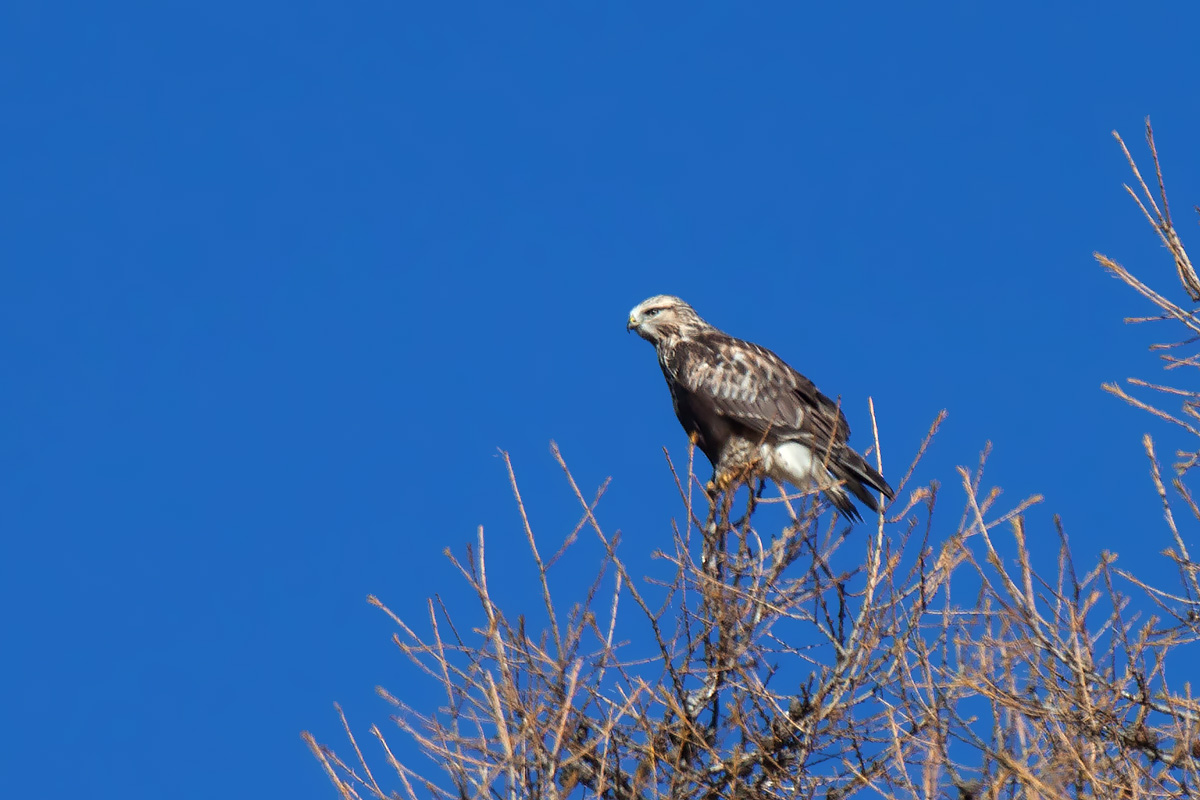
751 385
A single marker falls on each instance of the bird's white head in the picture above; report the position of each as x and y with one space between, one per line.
664 318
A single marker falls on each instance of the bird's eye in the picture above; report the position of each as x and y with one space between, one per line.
650 312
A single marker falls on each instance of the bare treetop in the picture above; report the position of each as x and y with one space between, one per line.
776 652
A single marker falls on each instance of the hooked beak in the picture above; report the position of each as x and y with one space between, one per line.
631 325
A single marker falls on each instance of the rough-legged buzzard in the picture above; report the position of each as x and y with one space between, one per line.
752 414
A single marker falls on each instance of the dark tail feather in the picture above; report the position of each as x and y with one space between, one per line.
841 501
858 478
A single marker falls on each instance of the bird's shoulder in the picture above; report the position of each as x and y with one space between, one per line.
712 357
741 373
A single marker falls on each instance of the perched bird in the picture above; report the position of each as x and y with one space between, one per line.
752 414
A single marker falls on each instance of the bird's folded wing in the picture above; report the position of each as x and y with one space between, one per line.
756 388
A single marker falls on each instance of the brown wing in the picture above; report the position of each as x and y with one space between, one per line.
752 386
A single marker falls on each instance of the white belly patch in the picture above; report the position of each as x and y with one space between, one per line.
794 463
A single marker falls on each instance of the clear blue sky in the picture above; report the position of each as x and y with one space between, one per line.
280 278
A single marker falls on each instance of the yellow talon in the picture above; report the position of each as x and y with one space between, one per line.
719 483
